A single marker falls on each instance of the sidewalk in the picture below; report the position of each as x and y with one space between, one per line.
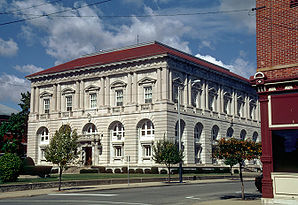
29 193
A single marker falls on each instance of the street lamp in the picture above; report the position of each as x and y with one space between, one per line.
179 126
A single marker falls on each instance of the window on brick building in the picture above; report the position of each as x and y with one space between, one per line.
293 3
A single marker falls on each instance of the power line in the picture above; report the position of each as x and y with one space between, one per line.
50 14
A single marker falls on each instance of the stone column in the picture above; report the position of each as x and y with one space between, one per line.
102 91
170 85
207 95
77 96
222 100
59 97
158 84
164 83
218 100
185 92
108 95
203 96
32 104
129 88
189 90
233 103
37 99
82 95
53 102
135 88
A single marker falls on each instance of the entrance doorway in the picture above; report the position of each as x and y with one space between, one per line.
88 156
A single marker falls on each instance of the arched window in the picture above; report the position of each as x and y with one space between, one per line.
242 134
214 132
198 131
43 135
118 131
89 129
230 132
255 136
147 129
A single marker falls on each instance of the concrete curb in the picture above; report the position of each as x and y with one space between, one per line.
77 183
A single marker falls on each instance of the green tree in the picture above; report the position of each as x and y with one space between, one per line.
10 167
238 150
16 126
167 153
62 149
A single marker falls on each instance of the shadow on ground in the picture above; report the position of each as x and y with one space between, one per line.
248 196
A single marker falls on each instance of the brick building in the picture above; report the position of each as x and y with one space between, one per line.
276 83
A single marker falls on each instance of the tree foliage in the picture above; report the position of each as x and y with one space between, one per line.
238 151
63 149
10 167
167 153
16 126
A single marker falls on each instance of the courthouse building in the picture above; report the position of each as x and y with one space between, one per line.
122 101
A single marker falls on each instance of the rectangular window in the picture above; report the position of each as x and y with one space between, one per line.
148 94
68 103
147 150
46 105
118 151
93 100
119 97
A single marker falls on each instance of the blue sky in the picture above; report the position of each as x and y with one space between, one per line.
220 31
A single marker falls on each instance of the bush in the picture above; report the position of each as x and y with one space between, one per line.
148 171
102 169
236 171
117 171
132 171
109 171
154 170
85 171
163 171
139 171
124 170
10 167
42 171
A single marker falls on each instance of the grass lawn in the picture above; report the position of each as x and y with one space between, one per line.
91 176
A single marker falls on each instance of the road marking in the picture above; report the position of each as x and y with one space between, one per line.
45 201
192 197
81 194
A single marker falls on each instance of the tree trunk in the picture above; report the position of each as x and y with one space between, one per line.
231 170
60 176
169 173
241 179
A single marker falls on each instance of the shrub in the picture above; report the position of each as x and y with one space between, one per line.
236 171
42 171
28 161
148 171
10 167
139 171
117 171
102 169
54 171
85 171
154 170
109 171
132 171
163 171
124 170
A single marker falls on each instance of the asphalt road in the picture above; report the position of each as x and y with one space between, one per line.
173 194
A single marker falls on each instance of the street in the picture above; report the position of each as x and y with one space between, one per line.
174 194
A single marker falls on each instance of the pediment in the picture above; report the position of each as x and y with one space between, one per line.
68 91
146 80
118 84
45 94
91 88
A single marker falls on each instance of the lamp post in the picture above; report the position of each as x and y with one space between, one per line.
179 127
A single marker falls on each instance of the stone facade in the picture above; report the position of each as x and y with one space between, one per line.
122 108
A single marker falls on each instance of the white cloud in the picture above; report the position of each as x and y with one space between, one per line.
8 48
11 88
28 68
238 66
68 38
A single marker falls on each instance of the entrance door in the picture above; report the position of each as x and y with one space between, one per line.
88 154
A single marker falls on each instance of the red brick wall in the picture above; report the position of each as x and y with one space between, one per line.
277 36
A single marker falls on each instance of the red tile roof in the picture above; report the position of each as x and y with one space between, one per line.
127 54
